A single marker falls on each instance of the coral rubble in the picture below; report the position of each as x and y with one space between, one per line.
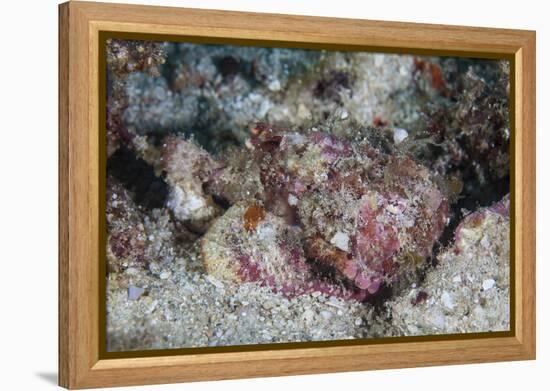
124 59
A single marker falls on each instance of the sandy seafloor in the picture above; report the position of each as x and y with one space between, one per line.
449 115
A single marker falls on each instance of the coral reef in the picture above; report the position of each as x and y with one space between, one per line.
124 59
262 195
214 92
475 131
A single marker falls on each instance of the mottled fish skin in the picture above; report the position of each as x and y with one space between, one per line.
394 210
369 217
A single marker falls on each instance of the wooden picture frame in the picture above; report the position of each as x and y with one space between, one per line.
81 362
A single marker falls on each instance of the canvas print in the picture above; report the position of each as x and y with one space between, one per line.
260 195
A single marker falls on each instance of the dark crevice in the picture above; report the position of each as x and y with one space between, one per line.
384 294
148 190
473 197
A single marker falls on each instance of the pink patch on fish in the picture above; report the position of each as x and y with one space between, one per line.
373 286
362 281
350 270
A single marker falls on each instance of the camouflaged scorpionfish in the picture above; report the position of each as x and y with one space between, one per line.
331 215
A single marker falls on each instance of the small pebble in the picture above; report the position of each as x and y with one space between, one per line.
326 314
485 242
379 60
340 240
303 111
134 292
438 320
399 135
214 281
132 271
274 85
267 305
292 200
447 300
488 284
308 315
165 275
412 329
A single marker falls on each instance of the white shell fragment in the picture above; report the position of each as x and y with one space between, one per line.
488 284
399 135
447 300
135 292
292 200
214 281
340 240
274 85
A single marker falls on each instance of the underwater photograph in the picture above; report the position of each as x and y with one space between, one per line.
261 195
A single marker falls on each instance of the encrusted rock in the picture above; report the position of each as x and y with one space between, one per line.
123 58
126 235
138 238
469 290
187 167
